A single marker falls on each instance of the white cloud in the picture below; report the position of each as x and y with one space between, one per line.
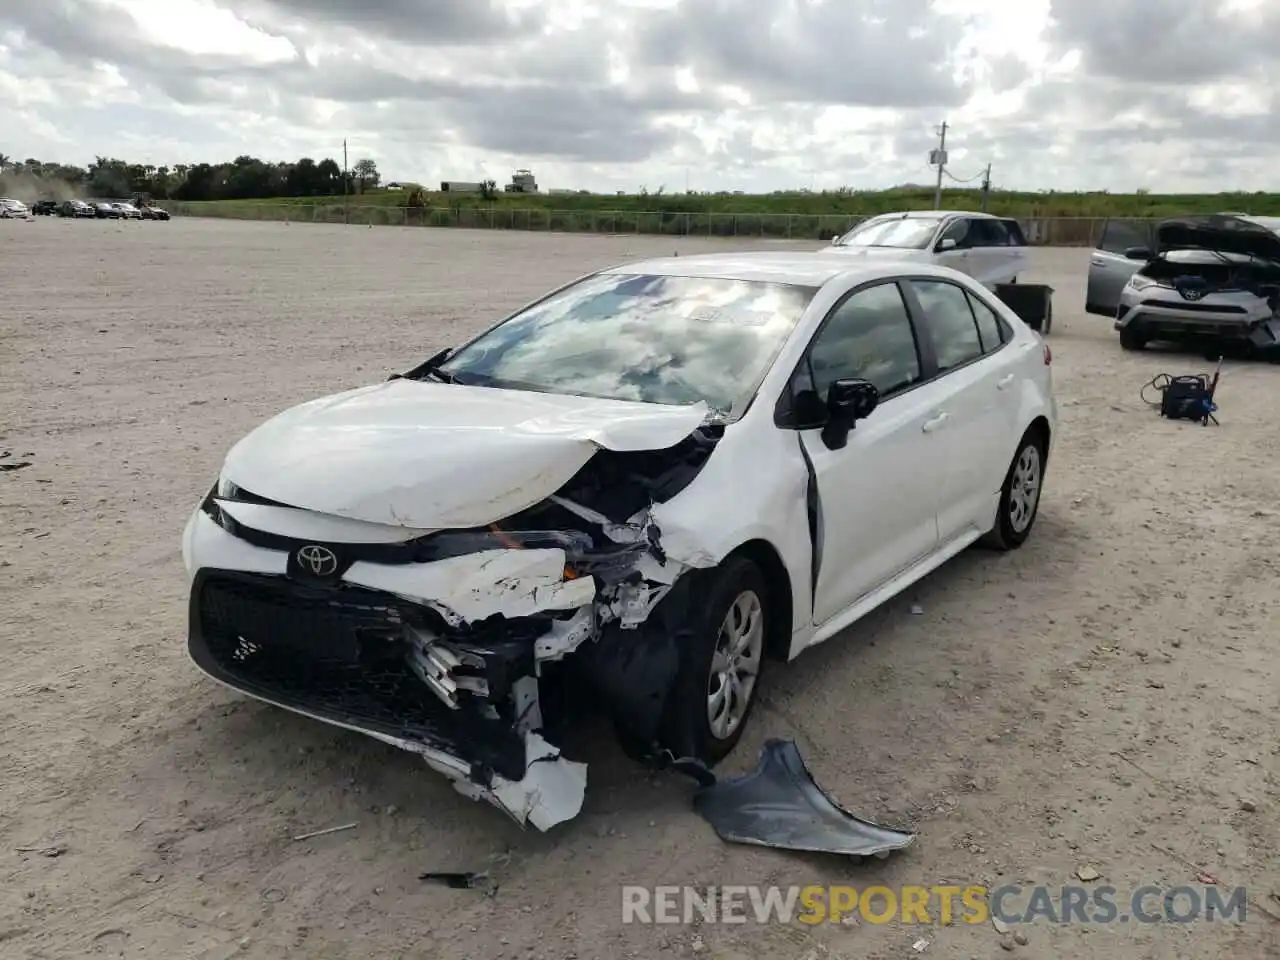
734 94
202 29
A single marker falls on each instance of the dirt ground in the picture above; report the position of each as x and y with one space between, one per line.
1105 697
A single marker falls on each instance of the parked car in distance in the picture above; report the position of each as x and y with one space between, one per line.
10 208
992 250
154 213
635 491
106 211
44 208
127 210
1213 280
76 208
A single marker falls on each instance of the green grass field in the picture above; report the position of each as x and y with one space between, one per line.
1060 219
833 203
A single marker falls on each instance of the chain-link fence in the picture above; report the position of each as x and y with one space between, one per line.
1041 231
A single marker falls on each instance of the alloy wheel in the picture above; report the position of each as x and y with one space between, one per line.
735 665
1024 491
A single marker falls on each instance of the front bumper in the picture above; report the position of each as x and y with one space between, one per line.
464 695
1162 315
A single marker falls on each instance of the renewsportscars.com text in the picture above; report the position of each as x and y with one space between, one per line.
941 903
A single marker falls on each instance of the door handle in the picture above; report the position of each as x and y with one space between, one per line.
933 424
1005 382
1097 263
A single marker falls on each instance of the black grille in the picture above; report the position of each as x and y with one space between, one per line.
337 653
1193 307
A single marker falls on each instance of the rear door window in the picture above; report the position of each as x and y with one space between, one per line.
955 331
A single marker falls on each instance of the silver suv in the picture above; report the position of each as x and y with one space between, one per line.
1205 279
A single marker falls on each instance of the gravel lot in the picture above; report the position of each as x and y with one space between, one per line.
1105 697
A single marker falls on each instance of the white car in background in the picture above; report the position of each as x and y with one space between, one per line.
992 250
636 490
13 208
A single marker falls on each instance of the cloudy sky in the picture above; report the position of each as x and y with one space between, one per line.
615 94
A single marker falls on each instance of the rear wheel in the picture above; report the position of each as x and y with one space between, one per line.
715 689
1020 495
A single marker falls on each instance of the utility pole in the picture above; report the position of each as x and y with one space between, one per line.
986 187
346 187
939 157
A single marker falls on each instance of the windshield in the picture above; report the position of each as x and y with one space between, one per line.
657 339
1268 223
912 233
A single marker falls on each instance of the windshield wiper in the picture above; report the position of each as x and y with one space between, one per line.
429 368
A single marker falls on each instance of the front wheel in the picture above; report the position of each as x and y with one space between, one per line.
720 667
1020 495
1130 339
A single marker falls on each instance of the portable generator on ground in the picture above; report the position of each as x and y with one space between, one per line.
1186 397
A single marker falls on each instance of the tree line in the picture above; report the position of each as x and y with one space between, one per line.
244 178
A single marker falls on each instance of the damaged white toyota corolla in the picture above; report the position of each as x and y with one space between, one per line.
626 497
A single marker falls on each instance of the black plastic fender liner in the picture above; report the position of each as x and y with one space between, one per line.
780 805
632 672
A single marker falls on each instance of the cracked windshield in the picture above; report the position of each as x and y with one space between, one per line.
657 339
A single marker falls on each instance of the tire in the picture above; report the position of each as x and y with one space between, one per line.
687 726
1019 506
1130 339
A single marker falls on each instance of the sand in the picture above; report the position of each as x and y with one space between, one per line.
1105 697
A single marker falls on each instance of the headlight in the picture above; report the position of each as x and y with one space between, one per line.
1140 283
226 490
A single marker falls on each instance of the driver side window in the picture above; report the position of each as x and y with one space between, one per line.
957 231
867 337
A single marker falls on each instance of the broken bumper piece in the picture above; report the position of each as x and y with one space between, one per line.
779 805
357 660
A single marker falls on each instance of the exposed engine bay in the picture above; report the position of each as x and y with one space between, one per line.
1201 256
1215 272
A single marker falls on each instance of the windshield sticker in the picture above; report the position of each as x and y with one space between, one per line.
750 318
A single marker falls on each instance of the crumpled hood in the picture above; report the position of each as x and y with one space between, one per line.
434 455
1218 232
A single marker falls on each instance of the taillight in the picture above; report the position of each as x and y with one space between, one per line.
1048 355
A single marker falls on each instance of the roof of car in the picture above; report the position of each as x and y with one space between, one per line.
933 214
801 268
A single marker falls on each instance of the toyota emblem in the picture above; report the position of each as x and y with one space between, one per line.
317 560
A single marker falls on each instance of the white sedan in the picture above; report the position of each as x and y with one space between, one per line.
631 495
991 249
10 208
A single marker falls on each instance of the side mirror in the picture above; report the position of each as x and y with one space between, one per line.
949 243
1138 253
848 401
835 239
